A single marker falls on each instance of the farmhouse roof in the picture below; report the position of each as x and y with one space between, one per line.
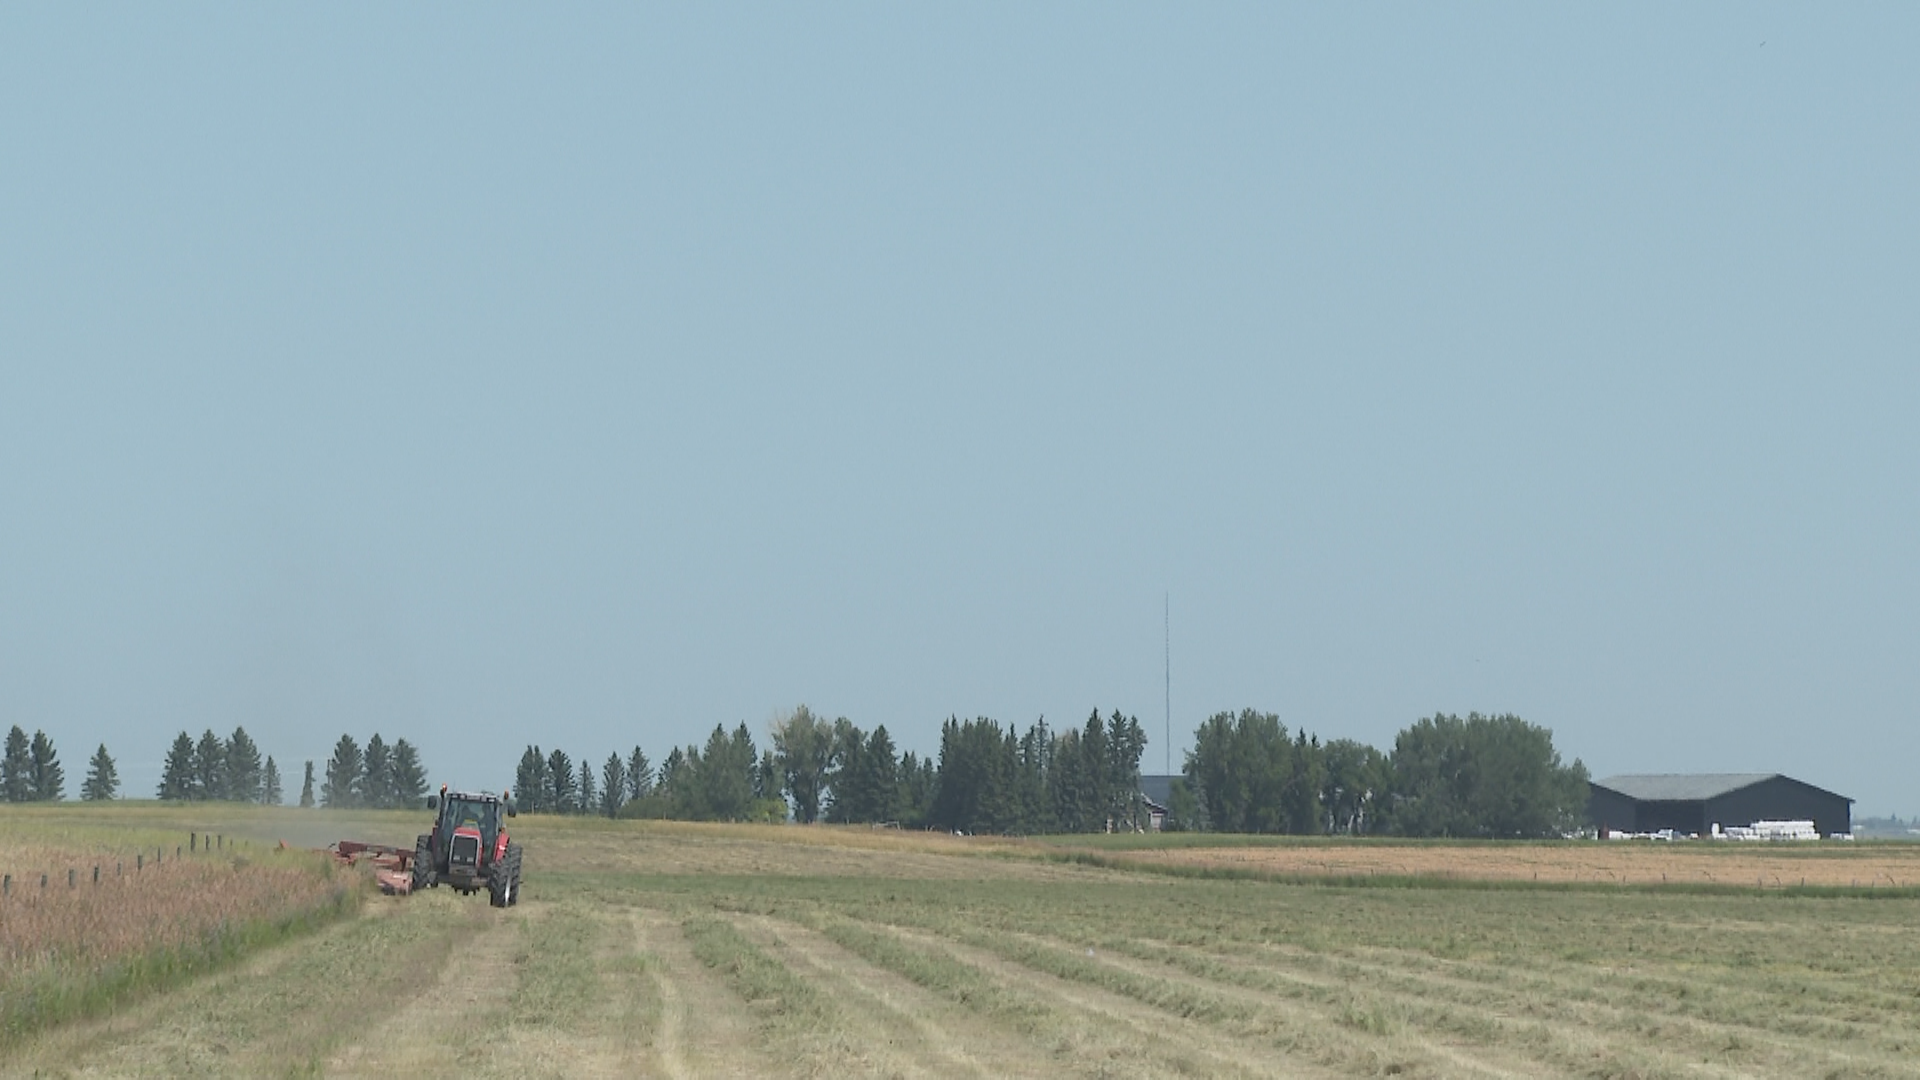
1158 790
1681 787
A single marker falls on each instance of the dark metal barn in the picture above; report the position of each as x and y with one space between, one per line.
1696 803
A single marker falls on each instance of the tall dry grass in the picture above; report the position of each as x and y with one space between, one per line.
67 950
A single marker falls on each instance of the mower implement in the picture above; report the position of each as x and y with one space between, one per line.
468 850
392 866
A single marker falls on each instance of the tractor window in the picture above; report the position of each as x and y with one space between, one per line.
464 813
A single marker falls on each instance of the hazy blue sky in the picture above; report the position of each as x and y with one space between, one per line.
488 376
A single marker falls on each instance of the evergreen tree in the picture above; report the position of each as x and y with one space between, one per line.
102 781
1034 769
409 776
721 787
244 779
585 801
306 788
1125 743
270 793
530 781
673 776
14 767
210 767
976 787
344 774
639 776
613 785
177 782
375 784
917 783
46 780
879 779
560 783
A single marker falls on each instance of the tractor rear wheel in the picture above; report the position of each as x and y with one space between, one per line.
423 862
502 882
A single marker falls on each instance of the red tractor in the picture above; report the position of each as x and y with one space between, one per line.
468 848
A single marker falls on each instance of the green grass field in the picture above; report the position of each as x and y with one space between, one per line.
661 949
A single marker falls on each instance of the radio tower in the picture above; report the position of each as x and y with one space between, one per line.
1166 617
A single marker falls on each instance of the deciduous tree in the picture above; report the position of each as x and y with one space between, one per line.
803 748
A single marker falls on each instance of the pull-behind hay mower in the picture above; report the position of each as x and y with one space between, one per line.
468 850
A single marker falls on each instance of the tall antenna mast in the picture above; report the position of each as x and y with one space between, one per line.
1166 615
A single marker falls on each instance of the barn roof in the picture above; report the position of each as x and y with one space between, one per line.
1681 787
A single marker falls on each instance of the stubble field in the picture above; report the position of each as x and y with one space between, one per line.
683 951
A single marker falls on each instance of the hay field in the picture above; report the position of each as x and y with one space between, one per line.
649 949
1767 866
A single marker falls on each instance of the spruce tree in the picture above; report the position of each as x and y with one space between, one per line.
343 774
14 767
409 777
530 781
102 781
585 800
270 792
176 776
560 783
210 766
613 785
244 779
639 775
306 789
376 774
46 780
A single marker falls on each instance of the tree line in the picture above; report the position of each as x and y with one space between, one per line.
986 779
30 771
377 776
1447 776
230 769
214 769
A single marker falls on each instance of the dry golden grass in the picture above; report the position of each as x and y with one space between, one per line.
1624 863
161 906
91 913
